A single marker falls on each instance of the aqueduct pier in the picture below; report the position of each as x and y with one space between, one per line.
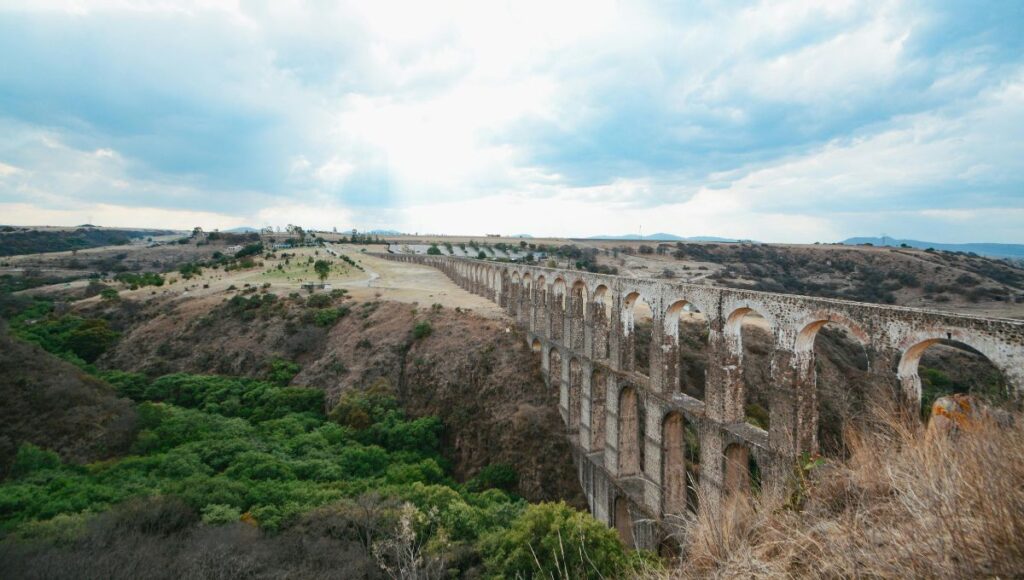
627 427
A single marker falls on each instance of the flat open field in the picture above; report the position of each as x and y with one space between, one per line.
377 279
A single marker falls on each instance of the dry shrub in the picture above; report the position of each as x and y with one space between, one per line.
901 505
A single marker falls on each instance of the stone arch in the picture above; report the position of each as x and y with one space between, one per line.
540 305
555 369
629 441
576 311
601 315
526 301
598 409
831 364
624 521
578 295
686 334
742 472
536 345
979 374
559 297
637 333
575 394
509 291
750 339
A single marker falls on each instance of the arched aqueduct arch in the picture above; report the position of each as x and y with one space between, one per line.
627 452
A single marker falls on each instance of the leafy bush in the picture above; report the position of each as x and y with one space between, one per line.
282 371
329 316
190 269
319 301
496 476
421 330
31 459
218 513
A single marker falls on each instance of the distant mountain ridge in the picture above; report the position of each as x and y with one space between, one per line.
663 237
980 248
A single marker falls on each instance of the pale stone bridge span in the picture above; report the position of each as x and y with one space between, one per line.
629 429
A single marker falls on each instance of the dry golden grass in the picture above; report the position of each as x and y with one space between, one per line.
902 505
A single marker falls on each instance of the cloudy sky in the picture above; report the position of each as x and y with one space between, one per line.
787 121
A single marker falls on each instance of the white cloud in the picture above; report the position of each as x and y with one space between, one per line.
776 120
102 214
8 170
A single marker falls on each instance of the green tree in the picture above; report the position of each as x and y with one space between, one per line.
433 250
322 269
553 540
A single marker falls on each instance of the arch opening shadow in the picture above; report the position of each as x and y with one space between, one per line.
629 443
841 383
575 394
680 465
577 312
601 316
598 409
686 333
753 385
742 472
638 330
558 305
555 370
624 521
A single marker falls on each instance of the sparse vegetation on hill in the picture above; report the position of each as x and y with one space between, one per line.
879 275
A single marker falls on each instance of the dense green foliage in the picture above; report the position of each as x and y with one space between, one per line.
39 241
10 283
73 338
250 250
261 449
141 279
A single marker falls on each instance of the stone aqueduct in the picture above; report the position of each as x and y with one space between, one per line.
626 427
